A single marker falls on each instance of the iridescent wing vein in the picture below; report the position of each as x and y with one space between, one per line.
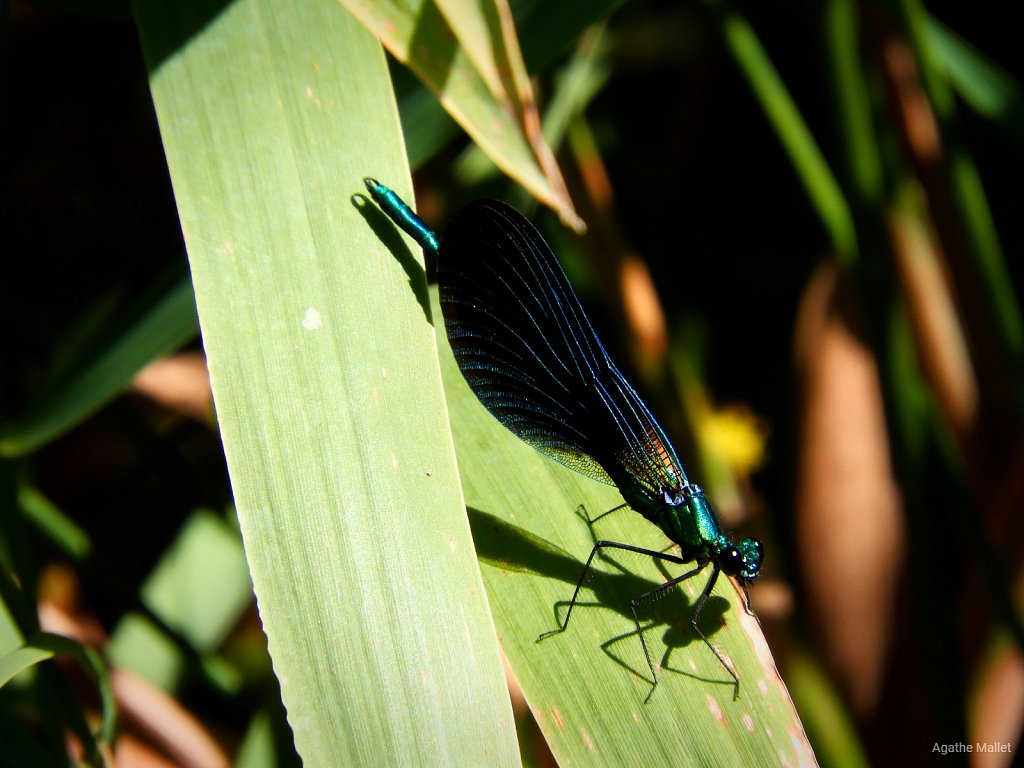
528 351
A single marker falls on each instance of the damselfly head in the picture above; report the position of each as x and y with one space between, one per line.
741 560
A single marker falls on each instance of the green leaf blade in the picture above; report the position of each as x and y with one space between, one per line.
328 394
166 322
586 686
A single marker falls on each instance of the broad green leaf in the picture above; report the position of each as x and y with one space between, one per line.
257 748
21 659
139 645
207 551
587 685
326 382
178 592
445 59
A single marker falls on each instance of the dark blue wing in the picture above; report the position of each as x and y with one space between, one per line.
529 353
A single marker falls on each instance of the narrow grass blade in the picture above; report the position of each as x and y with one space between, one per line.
989 90
42 646
418 35
58 527
165 321
545 31
974 228
773 95
862 162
